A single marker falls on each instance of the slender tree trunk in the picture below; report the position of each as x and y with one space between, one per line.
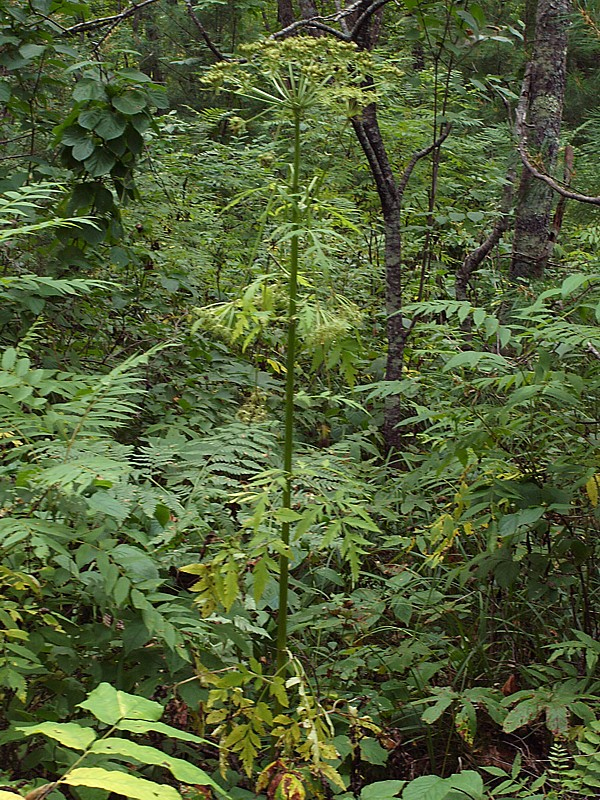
368 134
546 76
152 61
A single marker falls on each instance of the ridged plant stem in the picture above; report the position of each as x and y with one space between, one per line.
282 614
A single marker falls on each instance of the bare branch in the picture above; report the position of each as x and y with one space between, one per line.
202 31
341 14
418 156
520 126
321 22
473 259
593 350
313 22
553 184
93 24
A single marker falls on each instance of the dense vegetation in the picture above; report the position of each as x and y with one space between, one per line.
299 490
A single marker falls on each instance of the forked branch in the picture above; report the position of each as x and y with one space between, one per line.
425 151
101 22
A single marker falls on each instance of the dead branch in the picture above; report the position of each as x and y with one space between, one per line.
312 22
403 182
93 24
202 31
521 131
593 350
474 259
321 22
552 183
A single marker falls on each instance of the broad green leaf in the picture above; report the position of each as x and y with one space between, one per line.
382 790
100 162
73 135
83 149
110 126
141 122
121 590
9 358
130 102
89 118
70 734
491 326
137 564
158 96
435 712
557 718
180 769
143 726
287 515
475 359
478 316
475 216
89 89
135 142
427 787
120 783
506 572
372 752
522 714
464 309
31 50
109 705
134 75
467 784
572 283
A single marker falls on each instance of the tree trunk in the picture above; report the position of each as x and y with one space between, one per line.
546 91
368 134
285 13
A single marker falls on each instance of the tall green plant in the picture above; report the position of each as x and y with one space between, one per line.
295 89
297 95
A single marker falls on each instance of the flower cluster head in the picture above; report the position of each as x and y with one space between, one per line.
302 71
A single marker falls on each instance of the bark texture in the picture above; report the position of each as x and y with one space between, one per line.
368 134
540 137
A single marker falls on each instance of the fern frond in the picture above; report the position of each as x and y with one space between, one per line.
13 285
104 405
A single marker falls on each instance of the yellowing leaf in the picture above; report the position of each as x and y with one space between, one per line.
333 775
290 788
592 489
120 783
182 770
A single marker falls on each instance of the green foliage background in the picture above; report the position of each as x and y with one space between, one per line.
442 622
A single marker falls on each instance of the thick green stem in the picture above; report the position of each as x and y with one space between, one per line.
282 613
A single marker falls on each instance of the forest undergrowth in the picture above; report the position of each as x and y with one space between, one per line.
217 578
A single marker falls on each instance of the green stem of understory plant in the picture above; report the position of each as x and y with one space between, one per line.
282 613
